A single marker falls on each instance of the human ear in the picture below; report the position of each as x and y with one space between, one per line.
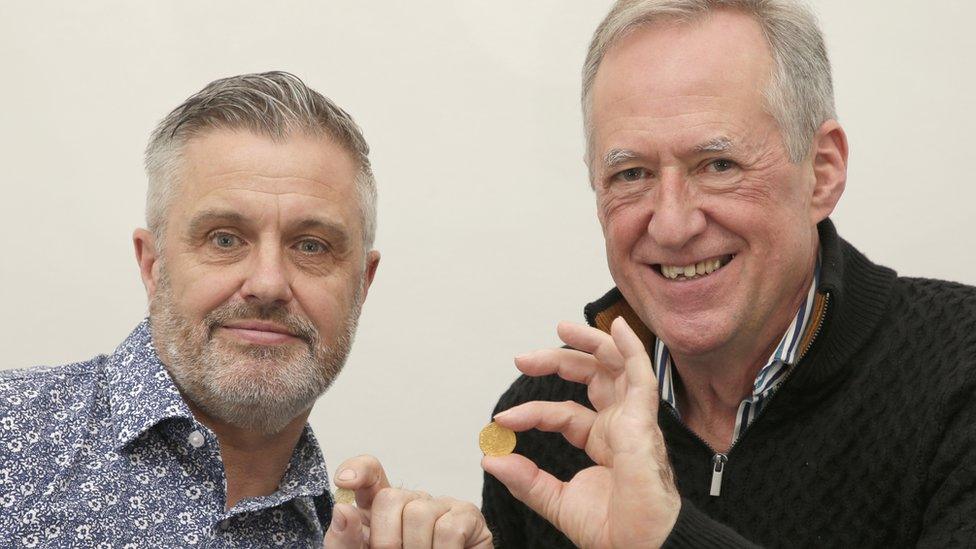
147 257
372 263
829 151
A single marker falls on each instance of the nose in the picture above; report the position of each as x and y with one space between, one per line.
677 217
268 281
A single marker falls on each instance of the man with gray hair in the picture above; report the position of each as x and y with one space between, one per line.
257 258
753 379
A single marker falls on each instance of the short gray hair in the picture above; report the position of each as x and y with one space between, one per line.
274 104
800 94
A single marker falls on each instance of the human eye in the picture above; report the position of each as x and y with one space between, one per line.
312 246
225 241
630 174
720 165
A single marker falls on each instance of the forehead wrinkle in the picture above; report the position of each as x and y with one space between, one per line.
278 219
247 177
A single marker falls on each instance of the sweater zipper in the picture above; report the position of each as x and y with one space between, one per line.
719 459
718 466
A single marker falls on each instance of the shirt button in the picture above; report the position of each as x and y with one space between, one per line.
196 439
225 524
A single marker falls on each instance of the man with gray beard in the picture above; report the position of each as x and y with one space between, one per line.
214 381
261 213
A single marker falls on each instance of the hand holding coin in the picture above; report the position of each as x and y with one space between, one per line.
628 499
496 440
392 517
344 495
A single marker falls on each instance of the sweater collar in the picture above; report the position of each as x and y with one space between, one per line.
858 291
858 294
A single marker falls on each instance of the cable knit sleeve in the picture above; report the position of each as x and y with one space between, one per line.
695 530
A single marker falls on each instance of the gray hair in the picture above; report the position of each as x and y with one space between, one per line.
275 104
800 94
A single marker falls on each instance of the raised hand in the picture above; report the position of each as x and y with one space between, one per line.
388 518
628 499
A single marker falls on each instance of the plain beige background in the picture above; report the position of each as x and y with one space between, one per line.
487 225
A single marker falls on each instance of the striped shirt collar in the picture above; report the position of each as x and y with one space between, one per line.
769 376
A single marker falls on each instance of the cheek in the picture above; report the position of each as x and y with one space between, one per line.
623 226
788 191
200 291
325 302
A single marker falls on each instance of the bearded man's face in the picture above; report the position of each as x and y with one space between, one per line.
258 286
255 386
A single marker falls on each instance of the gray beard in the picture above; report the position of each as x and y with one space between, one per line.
254 387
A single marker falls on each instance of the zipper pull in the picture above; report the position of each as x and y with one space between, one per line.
718 466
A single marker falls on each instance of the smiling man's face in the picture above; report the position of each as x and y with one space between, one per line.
709 228
255 298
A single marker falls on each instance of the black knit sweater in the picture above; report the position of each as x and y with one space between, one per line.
871 442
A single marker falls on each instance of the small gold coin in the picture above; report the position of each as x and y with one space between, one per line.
344 495
496 440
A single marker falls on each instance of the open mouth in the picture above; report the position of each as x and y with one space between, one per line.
695 270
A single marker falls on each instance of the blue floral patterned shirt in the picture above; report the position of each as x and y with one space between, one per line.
106 453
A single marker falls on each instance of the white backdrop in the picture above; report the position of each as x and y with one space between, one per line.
487 225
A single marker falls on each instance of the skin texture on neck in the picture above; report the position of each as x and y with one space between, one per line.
714 385
712 388
254 462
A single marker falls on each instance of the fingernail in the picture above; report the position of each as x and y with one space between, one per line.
338 521
522 356
501 414
346 474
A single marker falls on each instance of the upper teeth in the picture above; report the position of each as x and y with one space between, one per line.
701 268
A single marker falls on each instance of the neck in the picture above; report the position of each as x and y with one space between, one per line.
713 385
254 462
710 393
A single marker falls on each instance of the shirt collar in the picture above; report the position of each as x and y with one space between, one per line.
141 392
306 476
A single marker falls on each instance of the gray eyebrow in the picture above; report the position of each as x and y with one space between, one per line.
206 217
616 157
718 144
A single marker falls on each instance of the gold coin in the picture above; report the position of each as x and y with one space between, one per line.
344 495
496 440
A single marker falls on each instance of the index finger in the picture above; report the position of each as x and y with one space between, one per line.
593 341
363 475
584 338
636 360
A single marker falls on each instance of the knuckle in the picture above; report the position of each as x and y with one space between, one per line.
417 510
386 497
370 461
450 505
449 529
467 508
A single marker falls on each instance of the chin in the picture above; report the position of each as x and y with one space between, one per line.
265 406
693 336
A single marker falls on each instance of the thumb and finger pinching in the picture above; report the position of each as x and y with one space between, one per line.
365 476
346 529
532 486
